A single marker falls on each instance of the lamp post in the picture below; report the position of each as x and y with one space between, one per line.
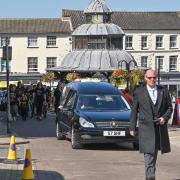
127 66
158 74
6 57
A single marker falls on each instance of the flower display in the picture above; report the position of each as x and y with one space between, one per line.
136 76
119 73
121 76
72 76
48 77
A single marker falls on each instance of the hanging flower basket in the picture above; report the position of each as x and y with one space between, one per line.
72 76
136 76
119 76
48 77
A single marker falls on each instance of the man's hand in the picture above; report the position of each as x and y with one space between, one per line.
133 133
162 121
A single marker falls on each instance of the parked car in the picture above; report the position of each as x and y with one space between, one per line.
93 112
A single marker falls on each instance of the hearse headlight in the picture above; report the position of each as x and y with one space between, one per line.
84 123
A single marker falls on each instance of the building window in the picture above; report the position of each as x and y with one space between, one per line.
3 41
172 63
129 41
81 42
32 41
144 61
144 42
159 42
159 59
96 43
106 18
51 62
88 18
173 41
3 66
32 64
51 41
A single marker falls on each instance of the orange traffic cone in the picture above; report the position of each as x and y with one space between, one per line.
12 149
27 172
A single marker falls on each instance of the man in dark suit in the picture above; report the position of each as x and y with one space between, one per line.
152 107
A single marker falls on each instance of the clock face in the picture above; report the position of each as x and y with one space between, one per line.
98 19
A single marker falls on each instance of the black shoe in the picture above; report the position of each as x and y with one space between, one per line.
150 178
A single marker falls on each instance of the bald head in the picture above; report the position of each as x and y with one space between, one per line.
150 72
150 77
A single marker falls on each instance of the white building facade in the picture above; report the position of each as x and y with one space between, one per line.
36 44
160 51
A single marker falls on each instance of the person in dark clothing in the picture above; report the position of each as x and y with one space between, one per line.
57 96
19 92
39 97
23 106
152 106
46 103
13 102
32 106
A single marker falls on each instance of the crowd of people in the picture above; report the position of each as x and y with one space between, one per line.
33 100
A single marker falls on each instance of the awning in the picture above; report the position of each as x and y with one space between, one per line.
3 84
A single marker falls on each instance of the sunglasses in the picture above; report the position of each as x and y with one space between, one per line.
151 77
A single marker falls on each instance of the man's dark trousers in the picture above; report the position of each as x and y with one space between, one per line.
150 159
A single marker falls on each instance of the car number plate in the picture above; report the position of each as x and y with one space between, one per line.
113 133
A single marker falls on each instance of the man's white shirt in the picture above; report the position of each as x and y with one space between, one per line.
153 93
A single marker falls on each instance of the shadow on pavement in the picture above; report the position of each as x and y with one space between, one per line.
12 174
107 147
32 128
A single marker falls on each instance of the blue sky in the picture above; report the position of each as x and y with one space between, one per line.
53 8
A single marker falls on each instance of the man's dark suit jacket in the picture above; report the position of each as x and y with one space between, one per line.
142 111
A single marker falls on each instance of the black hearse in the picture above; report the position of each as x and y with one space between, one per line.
93 112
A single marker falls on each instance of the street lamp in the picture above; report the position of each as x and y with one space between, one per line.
127 66
158 71
7 56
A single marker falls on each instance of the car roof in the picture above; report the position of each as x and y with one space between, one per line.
94 88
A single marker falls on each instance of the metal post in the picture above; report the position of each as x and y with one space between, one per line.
7 80
128 71
158 71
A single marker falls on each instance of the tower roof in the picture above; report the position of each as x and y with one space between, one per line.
98 29
94 60
98 6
